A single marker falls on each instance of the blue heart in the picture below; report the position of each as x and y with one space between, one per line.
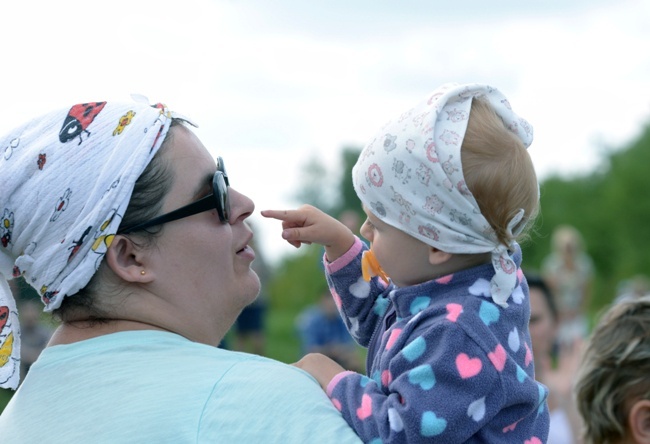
415 349
376 376
432 425
521 374
376 441
489 313
419 304
364 381
423 376
542 398
381 304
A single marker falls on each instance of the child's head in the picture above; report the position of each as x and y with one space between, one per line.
454 173
613 385
498 171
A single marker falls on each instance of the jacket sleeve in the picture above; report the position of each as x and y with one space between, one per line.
362 304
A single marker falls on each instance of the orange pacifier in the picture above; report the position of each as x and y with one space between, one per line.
370 267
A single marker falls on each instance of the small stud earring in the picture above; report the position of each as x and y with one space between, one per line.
142 272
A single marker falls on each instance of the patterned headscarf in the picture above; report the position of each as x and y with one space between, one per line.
66 179
410 176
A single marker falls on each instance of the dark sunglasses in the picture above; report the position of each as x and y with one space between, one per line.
218 200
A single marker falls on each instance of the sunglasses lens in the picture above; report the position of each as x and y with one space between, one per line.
222 200
221 167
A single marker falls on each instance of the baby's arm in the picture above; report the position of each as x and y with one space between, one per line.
308 225
321 367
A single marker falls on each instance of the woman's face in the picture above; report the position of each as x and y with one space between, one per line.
542 325
203 265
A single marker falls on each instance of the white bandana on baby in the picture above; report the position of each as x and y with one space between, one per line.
66 179
410 176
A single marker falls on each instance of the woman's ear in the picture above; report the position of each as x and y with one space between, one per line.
127 261
438 257
639 422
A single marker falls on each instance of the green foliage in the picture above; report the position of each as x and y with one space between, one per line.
611 211
5 396
317 189
348 197
297 283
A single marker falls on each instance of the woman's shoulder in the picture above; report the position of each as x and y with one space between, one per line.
267 400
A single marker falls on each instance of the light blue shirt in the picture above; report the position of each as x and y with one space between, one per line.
158 387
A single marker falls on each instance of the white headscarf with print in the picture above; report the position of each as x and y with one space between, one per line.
66 179
410 176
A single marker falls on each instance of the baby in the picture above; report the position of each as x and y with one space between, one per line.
448 188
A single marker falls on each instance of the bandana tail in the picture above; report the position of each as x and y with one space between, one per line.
9 338
505 278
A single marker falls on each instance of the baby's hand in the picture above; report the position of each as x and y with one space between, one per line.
322 368
308 225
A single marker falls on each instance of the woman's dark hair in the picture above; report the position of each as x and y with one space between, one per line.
146 202
536 281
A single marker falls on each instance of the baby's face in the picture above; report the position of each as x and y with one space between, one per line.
404 258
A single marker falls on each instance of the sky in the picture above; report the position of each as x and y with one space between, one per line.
273 84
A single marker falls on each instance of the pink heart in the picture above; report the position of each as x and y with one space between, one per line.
533 440
392 338
510 428
520 275
366 407
337 299
498 358
468 367
337 404
445 279
529 355
454 310
386 378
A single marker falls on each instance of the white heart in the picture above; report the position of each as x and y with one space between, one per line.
360 289
518 295
513 340
414 318
395 421
481 288
476 409
354 327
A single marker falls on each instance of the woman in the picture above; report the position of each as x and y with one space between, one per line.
147 276
569 272
558 376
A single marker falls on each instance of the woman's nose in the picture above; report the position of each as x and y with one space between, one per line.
241 206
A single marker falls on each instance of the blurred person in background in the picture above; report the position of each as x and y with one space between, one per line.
568 271
554 367
613 382
633 288
322 330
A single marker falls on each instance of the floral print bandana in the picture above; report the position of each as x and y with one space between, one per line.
410 176
66 179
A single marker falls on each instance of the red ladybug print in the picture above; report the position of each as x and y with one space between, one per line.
4 316
42 158
76 245
78 119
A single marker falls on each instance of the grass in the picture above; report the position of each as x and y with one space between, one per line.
5 396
